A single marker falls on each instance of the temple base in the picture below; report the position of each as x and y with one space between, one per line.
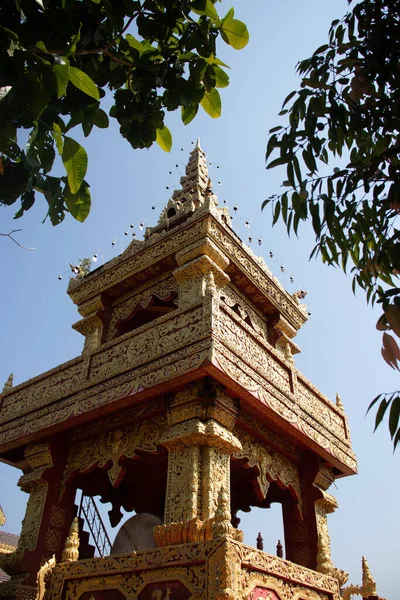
218 569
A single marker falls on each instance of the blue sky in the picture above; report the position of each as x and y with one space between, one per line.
340 346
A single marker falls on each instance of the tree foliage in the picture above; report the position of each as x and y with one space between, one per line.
341 152
59 57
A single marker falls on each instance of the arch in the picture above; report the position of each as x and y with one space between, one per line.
146 312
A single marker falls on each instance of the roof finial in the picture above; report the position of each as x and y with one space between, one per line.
8 384
198 143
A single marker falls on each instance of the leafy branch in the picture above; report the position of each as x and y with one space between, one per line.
347 112
57 60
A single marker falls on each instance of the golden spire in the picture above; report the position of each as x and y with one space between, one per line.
196 183
8 384
71 548
195 192
368 582
368 587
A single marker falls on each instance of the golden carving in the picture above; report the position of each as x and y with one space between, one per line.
237 304
272 465
368 587
107 448
255 562
38 457
205 400
216 569
202 247
92 328
71 548
324 506
222 526
44 570
198 473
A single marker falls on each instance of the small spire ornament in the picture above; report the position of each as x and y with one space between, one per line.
71 548
339 403
8 384
279 549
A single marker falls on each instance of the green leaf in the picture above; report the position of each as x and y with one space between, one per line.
189 113
27 201
100 119
213 60
75 162
204 7
57 135
62 73
235 33
84 83
221 78
79 204
212 103
134 43
164 139
75 40
41 46
229 15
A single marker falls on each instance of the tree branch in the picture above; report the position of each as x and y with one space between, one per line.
10 235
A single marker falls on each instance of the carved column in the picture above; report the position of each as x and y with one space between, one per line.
324 506
199 451
201 269
91 326
47 520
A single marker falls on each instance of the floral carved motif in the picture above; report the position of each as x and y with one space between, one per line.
109 447
272 465
233 301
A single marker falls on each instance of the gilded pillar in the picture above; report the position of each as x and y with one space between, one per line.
324 506
199 450
47 518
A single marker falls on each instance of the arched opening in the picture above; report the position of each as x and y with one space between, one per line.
155 308
256 509
135 492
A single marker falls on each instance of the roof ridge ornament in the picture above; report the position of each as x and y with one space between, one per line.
195 192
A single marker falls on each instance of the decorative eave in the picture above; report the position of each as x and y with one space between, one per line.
160 249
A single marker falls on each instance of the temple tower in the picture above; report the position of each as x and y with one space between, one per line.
185 404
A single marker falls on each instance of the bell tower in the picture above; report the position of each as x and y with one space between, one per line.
186 404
